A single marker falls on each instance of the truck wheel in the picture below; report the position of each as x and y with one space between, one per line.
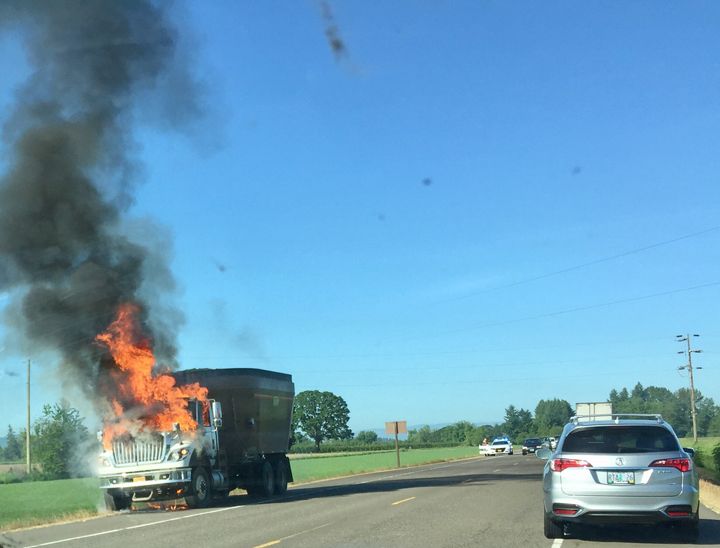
200 489
552 529
267 480
117 502
281 477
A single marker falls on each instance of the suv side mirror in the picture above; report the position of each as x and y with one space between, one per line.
689 451
543 453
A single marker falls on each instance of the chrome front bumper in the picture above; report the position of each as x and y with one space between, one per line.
145 479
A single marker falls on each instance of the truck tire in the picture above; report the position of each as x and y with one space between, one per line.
263 484
281 477
115 503
552 529
200 489
267 480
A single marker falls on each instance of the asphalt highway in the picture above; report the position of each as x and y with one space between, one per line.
495 501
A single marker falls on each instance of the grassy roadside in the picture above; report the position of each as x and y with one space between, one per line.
36 503
309 469
704 446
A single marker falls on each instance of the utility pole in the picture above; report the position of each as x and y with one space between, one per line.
689 367
27 426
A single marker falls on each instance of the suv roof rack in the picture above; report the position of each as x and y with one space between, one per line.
617 416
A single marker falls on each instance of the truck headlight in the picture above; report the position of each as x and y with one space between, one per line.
179 454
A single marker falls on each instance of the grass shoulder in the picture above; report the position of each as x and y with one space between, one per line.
707 465
39 502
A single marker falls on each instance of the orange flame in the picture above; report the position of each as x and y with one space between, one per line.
136 386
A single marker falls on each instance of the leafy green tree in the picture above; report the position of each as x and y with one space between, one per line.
551 415
422 435
13 446
618 398
58 434
714 426
366 436
706 413
321 416
459 433
673 406
517 421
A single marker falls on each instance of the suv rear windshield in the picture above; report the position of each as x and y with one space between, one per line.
620 439
532 441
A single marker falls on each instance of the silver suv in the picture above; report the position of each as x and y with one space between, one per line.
626 469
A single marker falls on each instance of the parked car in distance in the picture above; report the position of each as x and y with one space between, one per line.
499 446
550 442
631 469
531 445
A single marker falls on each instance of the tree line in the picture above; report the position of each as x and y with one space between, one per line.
549 418
551 415
322 417
673 406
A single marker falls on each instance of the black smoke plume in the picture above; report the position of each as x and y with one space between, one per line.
63 256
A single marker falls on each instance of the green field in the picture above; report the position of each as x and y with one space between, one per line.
309 469
705 447
34 503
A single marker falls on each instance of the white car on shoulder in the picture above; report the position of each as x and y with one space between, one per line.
499 446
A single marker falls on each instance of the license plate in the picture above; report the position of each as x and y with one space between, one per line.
621 478
499 450
139 478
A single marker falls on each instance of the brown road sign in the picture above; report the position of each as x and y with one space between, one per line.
396 427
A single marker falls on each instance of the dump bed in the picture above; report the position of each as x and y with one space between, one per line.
257 409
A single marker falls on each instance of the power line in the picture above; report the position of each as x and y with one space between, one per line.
423 354
581 265
578 309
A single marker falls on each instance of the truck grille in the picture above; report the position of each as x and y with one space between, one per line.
138 450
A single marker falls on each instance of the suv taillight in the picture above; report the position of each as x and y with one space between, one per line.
558 465
681 464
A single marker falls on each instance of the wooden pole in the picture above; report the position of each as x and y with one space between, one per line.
27 425
397 445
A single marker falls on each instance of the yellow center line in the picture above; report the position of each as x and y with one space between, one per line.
278 541
401 501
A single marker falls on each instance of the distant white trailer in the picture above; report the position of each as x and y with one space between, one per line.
595 410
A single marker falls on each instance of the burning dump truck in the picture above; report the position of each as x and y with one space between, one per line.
246 447
165 436
73 263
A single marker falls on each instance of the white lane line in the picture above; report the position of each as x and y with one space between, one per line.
557 543
515 463
498 470
101 533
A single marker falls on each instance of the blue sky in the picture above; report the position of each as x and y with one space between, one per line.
370 222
